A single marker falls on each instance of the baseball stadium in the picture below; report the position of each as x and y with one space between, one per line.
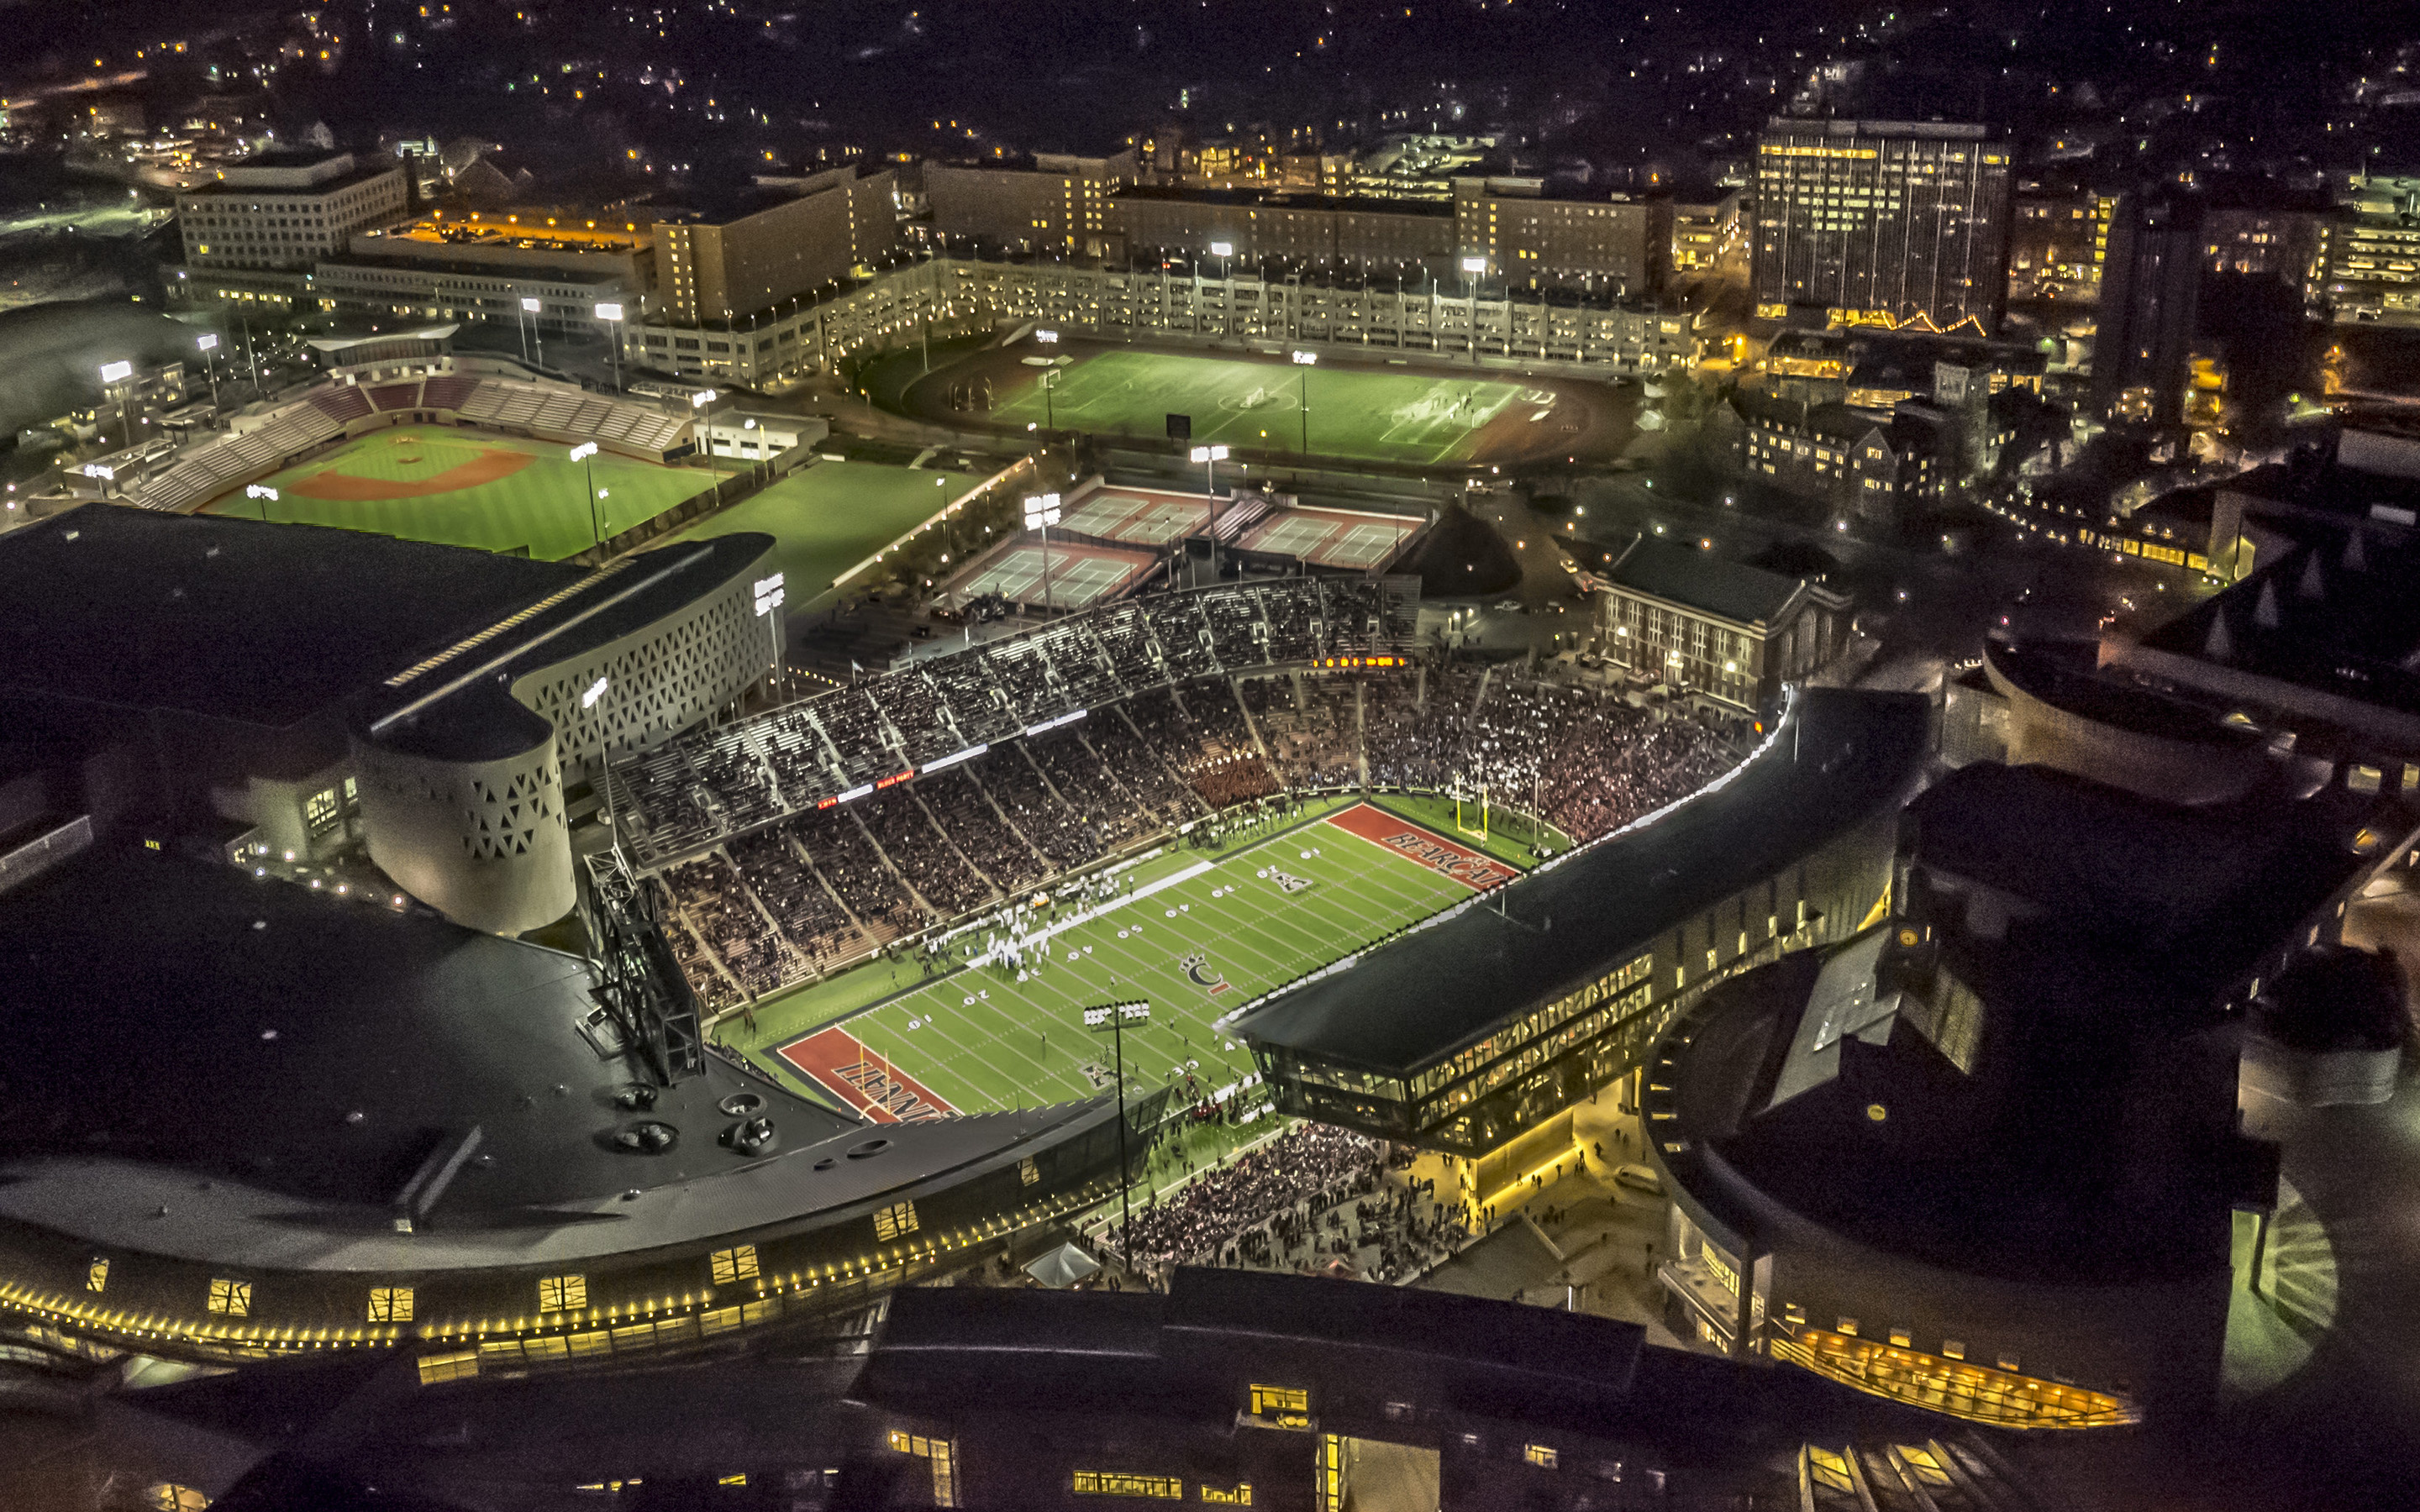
1267 404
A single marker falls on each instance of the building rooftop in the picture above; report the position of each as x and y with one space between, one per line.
1277 199
1702 580
319 1048
1836 760
233 619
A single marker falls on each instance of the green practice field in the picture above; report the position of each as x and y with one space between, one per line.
1386 417
829 517
1201 932
458 487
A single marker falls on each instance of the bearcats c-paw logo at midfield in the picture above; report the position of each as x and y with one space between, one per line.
1200 973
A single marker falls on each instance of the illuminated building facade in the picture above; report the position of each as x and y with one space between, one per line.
772 245
284 209
1055 203
1729 633
1494 1019
1984 1157
1539 238
1575 331
2150 291
1882 222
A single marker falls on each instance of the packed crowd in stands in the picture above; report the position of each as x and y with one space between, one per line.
792 894
711 783
1314 1198
1312 1165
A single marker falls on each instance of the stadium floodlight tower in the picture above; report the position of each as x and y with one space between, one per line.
208 343
1222 250
1111 1019
586 453
611 315
527 324
1210 457
1306 361
1471 269
1041 512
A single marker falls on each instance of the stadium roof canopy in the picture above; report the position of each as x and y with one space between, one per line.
210 1066
235 619
1838 759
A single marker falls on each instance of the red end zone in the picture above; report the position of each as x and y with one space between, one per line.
835 1060
1424 846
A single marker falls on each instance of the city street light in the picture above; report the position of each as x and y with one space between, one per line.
1306 361
1111 1019
1041 512
585 453
611 315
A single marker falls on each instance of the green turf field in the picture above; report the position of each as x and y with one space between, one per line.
1020 1043
1387 417
543 506
829 517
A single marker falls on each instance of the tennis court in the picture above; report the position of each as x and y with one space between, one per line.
1332 537
1399 417
457 486
1197 933
1142 519
1080 576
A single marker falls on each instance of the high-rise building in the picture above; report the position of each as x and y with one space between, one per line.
2372 252
772 243
286 209
2150 289
1535 237
1051 203
1882 222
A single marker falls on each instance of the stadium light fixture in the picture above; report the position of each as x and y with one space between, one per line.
1041 512
1045 337
1112 1019
1474 266
530 306
260 490
594 691
116 372
611 315
582 451
207 343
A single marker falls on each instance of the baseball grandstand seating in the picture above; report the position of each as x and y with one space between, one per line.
218 463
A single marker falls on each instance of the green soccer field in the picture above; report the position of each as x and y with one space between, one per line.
980 1039
1386 417
460 488
829 517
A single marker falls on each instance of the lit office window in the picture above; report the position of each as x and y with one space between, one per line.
562 1293
735 1265
233 1298
1118 1482
389 1305
897 1221
96 1278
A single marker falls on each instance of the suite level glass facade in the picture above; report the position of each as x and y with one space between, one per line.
1468 1097
1576 332
1882 222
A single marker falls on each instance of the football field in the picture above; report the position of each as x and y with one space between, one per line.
462 488
1196 933
1388 417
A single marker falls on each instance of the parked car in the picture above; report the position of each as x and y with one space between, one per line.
1638 1179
